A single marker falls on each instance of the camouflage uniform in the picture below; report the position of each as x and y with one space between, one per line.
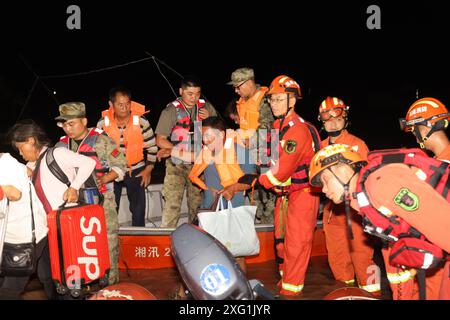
110 157
265 199
175 182
105 149
176 179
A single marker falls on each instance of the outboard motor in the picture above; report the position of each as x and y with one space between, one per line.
208 269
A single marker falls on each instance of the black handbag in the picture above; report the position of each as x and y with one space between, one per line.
18 260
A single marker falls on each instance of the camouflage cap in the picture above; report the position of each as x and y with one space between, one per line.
239 76
71 110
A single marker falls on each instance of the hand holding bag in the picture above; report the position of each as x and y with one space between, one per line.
18 260
233 227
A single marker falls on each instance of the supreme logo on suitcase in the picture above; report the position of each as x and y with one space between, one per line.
78 247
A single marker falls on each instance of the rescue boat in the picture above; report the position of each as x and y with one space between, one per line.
149 247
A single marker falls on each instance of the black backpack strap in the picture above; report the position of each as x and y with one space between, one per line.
283 131
438 174
393 158
54 168
421 281
446 187
315 137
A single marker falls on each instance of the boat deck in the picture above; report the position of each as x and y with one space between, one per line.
163 282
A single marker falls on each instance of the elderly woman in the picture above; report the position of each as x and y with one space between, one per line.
15 187
32 143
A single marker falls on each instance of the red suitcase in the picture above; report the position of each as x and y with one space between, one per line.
78 244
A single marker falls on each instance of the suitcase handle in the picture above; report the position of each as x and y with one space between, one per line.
79 203
82 203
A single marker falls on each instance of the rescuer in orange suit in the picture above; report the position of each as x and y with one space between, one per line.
427 119
296 206
336 169
347 257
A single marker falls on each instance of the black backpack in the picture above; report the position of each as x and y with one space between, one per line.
89 193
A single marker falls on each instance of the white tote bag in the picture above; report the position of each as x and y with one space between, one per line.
233 227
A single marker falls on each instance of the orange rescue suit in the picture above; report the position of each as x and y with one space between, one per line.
346 257
444 274
295 212
382 186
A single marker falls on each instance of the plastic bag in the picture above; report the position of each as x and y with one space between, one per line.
233 227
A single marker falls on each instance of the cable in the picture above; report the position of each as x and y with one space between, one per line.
37 78
164 64
28 98
94 71
174 71
162 74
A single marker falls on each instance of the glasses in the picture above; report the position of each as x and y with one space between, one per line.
272 100
333 113
239 86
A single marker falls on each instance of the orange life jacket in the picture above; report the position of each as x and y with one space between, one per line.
226 164
249 110
133 138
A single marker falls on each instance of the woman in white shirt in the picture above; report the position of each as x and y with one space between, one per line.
16 187
32 143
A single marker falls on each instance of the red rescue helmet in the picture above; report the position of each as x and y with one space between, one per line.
428 112
284 84
332 107
330 156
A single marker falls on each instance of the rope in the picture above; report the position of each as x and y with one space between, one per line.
94 71
37 78
162 74
76 74
164 64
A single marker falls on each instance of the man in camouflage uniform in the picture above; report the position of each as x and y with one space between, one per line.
174 135
255 118
110 165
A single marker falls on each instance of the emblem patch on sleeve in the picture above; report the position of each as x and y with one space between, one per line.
290 146
115 153
407 200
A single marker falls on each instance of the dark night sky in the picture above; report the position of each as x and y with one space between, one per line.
326 47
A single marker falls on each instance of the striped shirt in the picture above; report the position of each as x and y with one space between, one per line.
150 149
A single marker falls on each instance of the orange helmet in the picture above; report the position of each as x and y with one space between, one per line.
331 107
425 111
123 291
330 156
284 84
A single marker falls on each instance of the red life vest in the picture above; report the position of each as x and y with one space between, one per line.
181 130
87 148
408 241
300 179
